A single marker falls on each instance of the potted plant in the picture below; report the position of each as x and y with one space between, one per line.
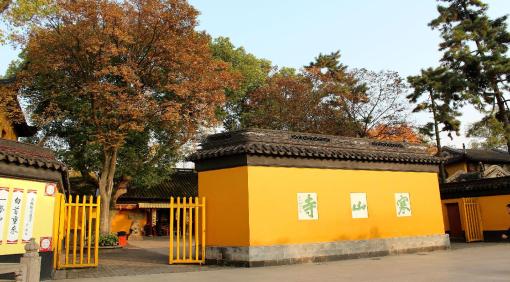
122 235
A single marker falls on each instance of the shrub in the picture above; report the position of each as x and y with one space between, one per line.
108 240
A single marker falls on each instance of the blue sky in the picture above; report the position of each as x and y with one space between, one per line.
377 35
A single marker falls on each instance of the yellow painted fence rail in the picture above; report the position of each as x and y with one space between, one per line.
187 230
78 232
472 220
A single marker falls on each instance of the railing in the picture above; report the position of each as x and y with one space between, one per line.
187 230
78 232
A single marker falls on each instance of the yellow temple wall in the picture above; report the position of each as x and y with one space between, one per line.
257 206
6 129
226 191
453 168
44 214
273 210
492 210
121 220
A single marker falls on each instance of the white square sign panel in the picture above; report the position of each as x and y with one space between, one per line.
359 205
307 206
403 204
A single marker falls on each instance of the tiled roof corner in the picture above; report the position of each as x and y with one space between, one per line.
29 155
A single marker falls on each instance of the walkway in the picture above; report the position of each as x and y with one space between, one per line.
149 256
473 262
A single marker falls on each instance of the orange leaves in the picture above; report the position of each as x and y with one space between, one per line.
399 133
113 68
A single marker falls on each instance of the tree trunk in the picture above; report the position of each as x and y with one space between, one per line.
502 113
442 173
106 186
436 124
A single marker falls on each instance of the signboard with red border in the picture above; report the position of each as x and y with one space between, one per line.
4 195
15 216
51 189
45 244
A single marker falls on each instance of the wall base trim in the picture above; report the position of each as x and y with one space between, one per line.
253 256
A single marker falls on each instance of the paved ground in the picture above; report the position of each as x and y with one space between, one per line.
473 262
149 256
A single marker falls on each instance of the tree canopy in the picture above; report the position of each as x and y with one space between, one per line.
251 73
312 100
104 73
476 47
438 91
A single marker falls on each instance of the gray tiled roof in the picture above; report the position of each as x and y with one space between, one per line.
29 155
182 183
477 155
304 145
476 188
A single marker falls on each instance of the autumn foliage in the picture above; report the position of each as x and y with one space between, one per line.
398 133
314 100
109 68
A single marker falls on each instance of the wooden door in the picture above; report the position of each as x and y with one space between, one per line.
454 220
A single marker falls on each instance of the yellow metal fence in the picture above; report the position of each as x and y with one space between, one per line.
187 230
77 229
472 220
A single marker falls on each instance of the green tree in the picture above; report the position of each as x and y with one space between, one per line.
251 73
476 47
491 132
19 15
437 91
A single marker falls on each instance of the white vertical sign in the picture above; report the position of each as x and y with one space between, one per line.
403 204
4 195
307 206
28 222
15 216
359 207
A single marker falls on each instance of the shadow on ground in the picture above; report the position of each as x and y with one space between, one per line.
139 257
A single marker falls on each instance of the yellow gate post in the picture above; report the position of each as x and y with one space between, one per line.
73 216
193 212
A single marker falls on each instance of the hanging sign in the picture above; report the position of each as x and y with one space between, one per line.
50 189
307 206
4 195
15 216
28 223
403 204
359 207
45 244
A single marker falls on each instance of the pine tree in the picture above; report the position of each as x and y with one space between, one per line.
442 91
476 46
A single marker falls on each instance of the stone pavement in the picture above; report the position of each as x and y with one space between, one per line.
465 262
149 256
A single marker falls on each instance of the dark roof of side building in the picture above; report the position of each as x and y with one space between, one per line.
454 155
29 155
476 188
305 145
182 183
27 161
